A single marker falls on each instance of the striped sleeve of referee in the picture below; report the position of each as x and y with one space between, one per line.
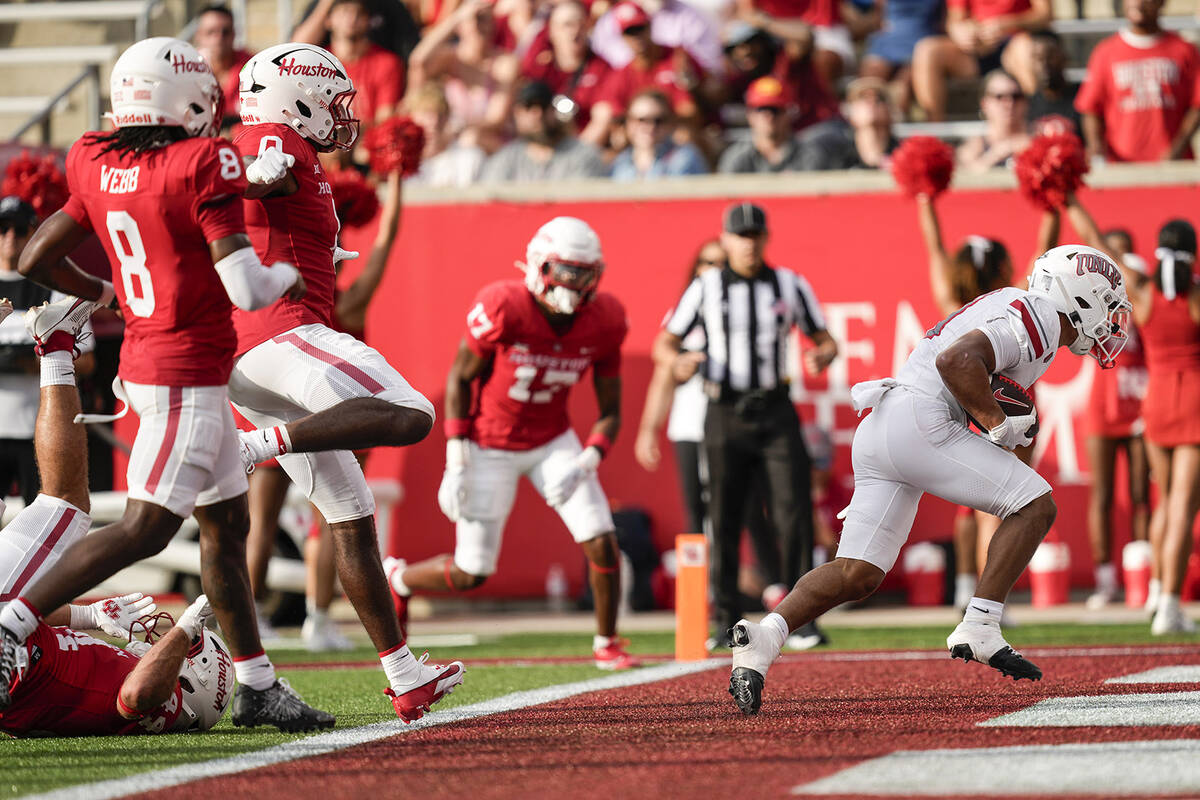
809 316
687 311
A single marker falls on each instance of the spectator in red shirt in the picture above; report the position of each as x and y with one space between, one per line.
560 58
981 35
672 72
214 39
378 74
1141 97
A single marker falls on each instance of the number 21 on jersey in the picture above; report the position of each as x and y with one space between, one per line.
131 253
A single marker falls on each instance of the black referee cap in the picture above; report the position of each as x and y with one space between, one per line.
744 219
15 210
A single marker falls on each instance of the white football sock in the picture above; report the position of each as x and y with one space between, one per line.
257 672
777 623
58 369
267 443
401 668
20 619
980 610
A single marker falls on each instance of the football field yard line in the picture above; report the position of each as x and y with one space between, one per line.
1105 769
335 740
1184 673
1112 710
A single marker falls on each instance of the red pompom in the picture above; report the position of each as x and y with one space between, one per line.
36 180
395 146
354 199
923 165
1051 169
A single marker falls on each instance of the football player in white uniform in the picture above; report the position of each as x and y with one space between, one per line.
917 441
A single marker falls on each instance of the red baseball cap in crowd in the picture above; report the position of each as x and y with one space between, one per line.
630 15
766 92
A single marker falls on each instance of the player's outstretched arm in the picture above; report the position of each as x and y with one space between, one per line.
249 284
351 310
45 261
940 268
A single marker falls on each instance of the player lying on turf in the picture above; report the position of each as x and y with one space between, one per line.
164 198
527 345
917 441
65 682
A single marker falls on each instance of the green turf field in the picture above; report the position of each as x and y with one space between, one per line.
355 695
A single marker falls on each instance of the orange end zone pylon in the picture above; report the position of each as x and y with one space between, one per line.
691 597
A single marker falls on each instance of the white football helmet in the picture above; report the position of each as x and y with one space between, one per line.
165 81
563 264
304 87
207 682
1086 286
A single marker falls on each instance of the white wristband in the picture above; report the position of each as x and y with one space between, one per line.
457 452
82 618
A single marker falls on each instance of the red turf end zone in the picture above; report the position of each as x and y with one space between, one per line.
684 739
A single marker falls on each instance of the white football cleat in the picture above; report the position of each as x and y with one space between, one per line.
1170 618
56 326
983 642
322 636
755 648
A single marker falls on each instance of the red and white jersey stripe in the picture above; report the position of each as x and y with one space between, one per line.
1022 327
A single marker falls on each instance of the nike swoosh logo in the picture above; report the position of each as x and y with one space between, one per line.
981 610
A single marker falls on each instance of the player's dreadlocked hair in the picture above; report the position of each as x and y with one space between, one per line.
981 265
139 139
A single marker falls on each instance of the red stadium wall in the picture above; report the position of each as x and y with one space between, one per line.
864 258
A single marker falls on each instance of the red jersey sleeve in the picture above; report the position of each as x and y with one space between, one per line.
1092 94
218 185
608 363
486 321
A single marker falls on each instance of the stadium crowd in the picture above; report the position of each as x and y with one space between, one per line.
550 89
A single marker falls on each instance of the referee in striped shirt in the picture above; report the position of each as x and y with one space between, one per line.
751 431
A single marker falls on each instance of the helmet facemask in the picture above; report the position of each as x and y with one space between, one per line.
568 285
345 126
1102 324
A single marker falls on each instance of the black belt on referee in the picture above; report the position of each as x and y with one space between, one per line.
747 403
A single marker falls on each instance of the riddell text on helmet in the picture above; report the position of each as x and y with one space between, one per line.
289 66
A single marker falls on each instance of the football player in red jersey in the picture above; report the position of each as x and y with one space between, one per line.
527 344
165 199
66 682
317 394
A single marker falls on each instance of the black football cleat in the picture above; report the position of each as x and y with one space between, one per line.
277 705
8 666
746 687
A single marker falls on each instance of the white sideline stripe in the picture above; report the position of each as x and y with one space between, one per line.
340 740
1110 710
1105 769
1183 673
